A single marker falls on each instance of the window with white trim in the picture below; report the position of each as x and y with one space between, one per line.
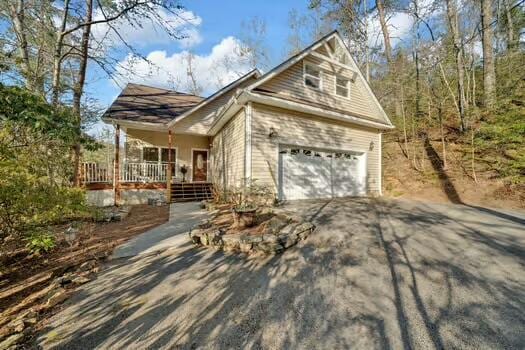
158 154
150 154
342 86
312 76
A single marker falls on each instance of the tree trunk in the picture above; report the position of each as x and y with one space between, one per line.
489 72
384 29
78 90
57 56
452 15
367 49
442 134
511 42
394 78
416 58
18 17
404 123
473 161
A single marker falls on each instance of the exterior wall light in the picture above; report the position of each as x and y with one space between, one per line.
273 134
371 147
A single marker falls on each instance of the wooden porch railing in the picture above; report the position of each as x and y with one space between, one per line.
129 172
144 172
96 173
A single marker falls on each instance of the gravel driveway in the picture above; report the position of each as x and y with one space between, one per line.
375 274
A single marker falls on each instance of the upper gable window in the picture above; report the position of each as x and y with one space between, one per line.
342 87
312 76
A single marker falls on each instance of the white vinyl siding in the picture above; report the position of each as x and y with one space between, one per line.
227 153
200 121
295 128
290 84
342 87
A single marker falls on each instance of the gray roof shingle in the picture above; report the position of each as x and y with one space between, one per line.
148 104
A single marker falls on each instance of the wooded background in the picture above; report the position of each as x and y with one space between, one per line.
454 87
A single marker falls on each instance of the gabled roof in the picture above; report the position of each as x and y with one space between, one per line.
147 104
253 73
310 50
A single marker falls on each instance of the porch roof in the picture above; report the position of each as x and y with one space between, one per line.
147 104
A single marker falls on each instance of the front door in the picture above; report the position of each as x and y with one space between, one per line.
200 165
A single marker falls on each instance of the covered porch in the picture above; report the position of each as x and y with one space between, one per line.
152 164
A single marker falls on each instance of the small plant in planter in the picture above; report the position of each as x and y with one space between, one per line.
244 215
183 171
246 201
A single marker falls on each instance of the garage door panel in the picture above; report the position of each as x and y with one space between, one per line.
309 174
347 177
305 177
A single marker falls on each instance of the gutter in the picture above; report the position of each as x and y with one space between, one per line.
136 125
237 102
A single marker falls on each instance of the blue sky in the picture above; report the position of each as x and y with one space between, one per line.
215 25
213 34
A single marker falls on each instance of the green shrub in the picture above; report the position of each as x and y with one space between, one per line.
500 142
40 241
251 195
36 139
28 201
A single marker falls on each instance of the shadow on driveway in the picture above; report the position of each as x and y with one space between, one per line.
183 216
375 274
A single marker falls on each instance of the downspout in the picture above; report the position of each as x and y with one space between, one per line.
116 168
223 151
248 110
380 165
168 174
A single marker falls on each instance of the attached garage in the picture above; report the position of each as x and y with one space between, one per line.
306 173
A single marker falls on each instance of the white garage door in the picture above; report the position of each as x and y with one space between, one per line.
308 173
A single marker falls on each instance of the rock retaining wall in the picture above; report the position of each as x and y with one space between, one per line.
280 232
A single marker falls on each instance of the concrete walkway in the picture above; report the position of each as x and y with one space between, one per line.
171 234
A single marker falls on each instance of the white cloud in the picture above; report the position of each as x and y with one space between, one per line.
223 64
399 27
150 31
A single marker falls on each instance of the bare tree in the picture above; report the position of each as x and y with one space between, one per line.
453 23
193 85
17 12
489 71
384 29
253 36
509 25
78 89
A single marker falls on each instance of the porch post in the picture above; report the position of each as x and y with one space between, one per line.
116 165
168 175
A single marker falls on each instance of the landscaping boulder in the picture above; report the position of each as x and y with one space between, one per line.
57 298
270 248
11 341
245 247
231 242
88 265
279 232
19 326
270 238
275 224
80 280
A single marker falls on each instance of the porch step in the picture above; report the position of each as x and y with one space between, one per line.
187 191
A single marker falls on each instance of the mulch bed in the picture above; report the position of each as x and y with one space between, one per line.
224 219
25 277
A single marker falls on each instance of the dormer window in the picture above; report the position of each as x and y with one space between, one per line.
312 76
342 87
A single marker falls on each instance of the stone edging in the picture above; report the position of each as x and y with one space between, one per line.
273 242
